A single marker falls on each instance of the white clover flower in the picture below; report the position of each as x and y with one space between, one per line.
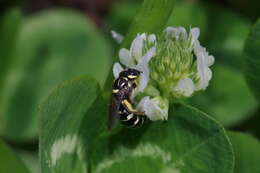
175 63
173 66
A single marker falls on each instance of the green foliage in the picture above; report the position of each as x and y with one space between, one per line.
189 141
249 8
247 153
9 161
152 18
71 138
52 46
30 159
227 98
227 36
9 26
71 120
121 15
252 60
46 48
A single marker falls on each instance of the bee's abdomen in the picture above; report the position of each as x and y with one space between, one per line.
131 120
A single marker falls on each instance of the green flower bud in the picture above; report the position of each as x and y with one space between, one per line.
173 61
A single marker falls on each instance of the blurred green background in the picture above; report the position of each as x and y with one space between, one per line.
44 42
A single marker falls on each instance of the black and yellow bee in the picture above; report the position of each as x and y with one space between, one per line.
121 107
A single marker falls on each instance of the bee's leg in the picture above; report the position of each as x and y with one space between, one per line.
139 113
130 101
128 106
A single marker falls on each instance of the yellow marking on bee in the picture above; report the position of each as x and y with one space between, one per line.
132 76
128 105
115 90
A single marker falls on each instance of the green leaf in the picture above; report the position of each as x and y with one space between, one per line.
227 36
247 153
71 119
189 141
121 15
9 161
53 46
252 60
151 18
248 8
9 26
30 160
188 14
230 103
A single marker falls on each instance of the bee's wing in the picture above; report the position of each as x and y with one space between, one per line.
112 114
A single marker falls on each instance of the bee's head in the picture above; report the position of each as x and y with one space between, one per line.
130 73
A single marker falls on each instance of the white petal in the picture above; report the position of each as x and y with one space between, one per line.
204 73
197 47
125 58
117 37
117 68
151 38
182 32
203 62
148 55
143 66
201 52
195 32
210 60
176 32
144 79
204 79
172 32
185 87
137 47
140 105
155 109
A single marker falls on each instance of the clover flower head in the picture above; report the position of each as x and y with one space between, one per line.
174 65
175 69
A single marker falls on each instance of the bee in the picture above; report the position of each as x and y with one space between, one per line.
121 107
129 117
